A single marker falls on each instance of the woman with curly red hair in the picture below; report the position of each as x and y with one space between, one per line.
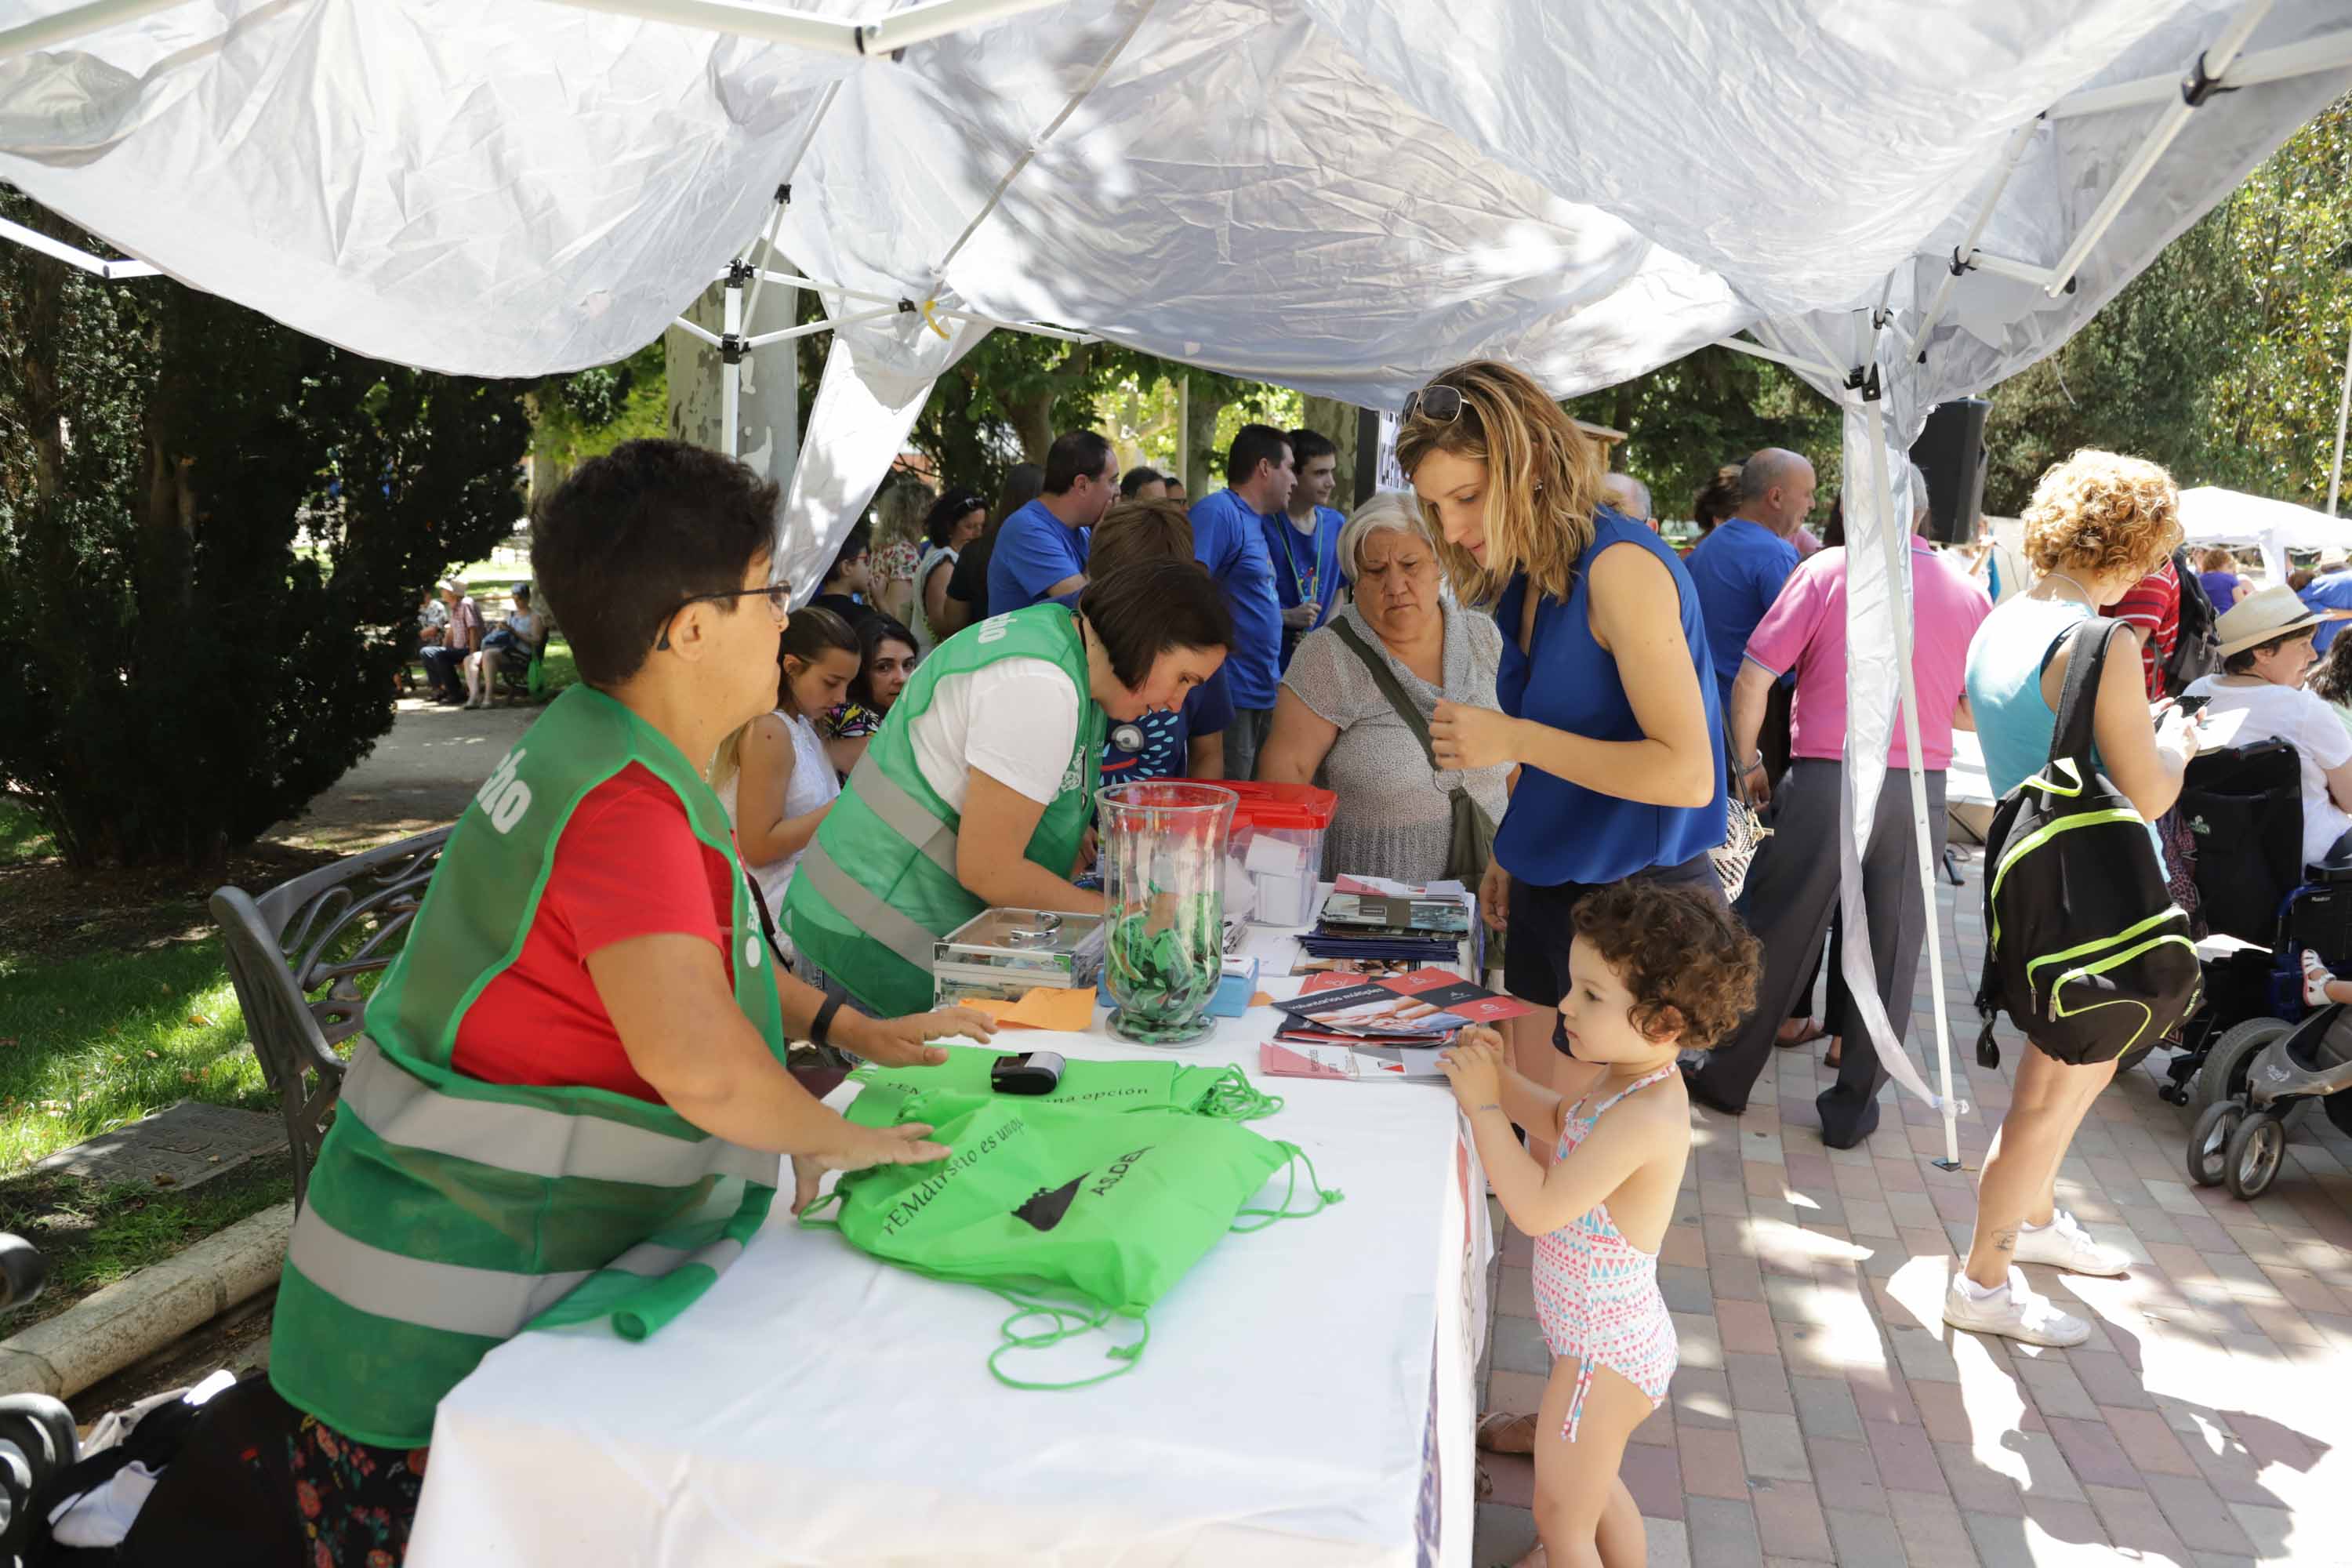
2098 523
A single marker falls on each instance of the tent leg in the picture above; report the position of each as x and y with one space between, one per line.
730 368
1897 541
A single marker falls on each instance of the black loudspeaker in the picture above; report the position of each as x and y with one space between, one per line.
1952 452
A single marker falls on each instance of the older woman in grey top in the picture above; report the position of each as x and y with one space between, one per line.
1333 726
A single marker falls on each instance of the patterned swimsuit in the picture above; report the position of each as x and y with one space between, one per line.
1596 1294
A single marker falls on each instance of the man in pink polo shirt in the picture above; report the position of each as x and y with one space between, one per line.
1794 885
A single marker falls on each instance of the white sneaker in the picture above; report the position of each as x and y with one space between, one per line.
2064 1244
2015 1311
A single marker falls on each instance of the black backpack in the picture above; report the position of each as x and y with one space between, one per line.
2084 948
2196 645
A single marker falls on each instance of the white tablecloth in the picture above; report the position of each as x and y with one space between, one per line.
1305 1398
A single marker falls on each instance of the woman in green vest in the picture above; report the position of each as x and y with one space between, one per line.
570 1097
979 791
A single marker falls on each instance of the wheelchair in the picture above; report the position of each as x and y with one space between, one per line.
2261 907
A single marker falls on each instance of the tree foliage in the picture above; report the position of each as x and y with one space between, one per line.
214 533
587 414
1685 419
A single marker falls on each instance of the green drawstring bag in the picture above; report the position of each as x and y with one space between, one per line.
536 681
1073 1215
1225 1092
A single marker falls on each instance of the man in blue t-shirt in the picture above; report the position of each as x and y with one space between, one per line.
1303 542
1737 568
1229 538
1041 550
2330 592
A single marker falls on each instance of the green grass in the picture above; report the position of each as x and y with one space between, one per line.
94 1235
91 1042
22 838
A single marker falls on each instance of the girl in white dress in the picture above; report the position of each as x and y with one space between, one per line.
774 775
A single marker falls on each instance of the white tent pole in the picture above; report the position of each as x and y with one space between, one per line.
1777 357
2330 51
787 333
730 365
2001 265
705 333
2211 67
1038 143
75 22
784 196
2018 140
1897 542
954 313
770 24
34 239
792 280
2342 408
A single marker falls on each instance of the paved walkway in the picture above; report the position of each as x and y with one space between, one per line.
417 778
1824 1414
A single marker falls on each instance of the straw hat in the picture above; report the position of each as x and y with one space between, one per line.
2261 615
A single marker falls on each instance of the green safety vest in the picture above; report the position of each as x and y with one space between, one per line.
446 1215
879 885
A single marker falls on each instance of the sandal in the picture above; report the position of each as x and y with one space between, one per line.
2315 978
1814 1030
1501 1432
1836 1056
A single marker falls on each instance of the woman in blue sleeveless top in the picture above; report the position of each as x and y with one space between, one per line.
1606 715
2097 525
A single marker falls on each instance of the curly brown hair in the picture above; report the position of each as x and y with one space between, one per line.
2099 512
1687 959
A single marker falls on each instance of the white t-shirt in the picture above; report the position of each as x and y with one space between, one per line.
2303 721
1015 720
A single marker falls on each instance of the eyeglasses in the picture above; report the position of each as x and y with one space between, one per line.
780 603
1440 403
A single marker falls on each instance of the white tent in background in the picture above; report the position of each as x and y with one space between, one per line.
1904 202
2210 515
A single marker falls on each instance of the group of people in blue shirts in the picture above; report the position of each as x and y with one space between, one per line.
1269 539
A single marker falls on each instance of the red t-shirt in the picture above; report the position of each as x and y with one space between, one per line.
2153 606
627 865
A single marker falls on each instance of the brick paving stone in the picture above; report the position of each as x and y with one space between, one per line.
1735 1278
2109 1380
1845 1475
2148 1440
1773 1447
1760 1382
1712 1462
1685 1289
1881 1394
2047 1474
2002 1540
1943 1411
1933 1533
2134 1523
2273 1533
1789 1521
1517 1392
1514 1478
1722 1534
1669 1543
1517 1345
1514 1293
1502 1534
1700 1341
1905 1458
1866 1540
2055 1389
1658 1431
1825 1407
2093 1453
1701 1399
1745 1328
2074 1523
1654 1476
2201 1520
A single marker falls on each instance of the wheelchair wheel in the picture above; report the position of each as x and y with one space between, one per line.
2208 1143
2223 1075
2256 1151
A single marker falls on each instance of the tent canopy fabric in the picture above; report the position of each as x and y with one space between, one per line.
2210 515
1906 200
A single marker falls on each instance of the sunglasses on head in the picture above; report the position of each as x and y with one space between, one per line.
1439 403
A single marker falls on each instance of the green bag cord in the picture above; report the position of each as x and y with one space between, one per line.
1324 1196
1234 1098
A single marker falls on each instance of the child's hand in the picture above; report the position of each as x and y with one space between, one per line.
1472 1064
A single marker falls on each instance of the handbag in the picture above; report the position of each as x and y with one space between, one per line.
1743 830
1472 846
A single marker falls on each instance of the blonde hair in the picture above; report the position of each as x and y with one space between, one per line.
1544 480
2102 512
1389 511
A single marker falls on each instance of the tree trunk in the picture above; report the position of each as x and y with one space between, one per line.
1201 459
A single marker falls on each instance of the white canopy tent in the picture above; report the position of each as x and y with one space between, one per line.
1906 200
2210 515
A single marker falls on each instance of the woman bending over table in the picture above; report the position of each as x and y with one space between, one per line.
572 1094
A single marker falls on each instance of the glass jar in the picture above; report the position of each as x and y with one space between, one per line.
1163 858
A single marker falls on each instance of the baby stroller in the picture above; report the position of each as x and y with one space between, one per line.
2242 1138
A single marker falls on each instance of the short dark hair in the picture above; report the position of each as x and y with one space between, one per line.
1136 478
859 542
1074 456
872 633
1718 499
2243 661
630 537
1253 445
940 523
1689 963
1137 531
1306 446
522 592
1147 608
1175 481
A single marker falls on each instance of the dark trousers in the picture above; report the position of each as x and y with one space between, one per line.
446 668
1791 890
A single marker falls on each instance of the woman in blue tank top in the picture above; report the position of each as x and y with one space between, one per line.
1606 714
2097 525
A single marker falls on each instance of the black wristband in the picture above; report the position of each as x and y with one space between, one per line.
823 1025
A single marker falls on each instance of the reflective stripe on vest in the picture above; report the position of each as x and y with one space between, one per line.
878 920
905 817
